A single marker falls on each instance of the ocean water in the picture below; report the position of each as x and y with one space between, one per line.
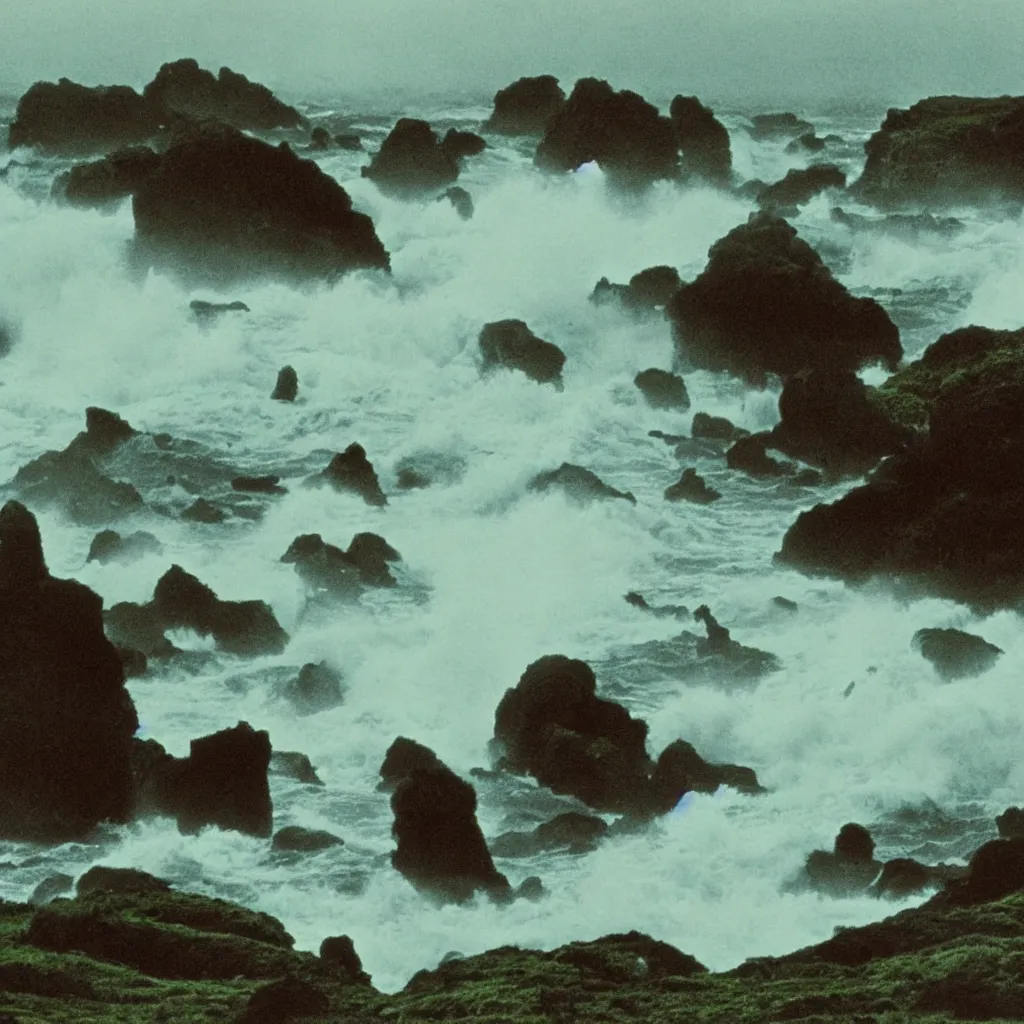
494 577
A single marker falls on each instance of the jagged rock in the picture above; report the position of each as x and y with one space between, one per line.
110 546
703 141
663 390
672 611
571 832
794 314
317 688
287 387
510 344
203 511
183 88
458 144
461 201
769 126
441 849
626 136
691 487
68 119
106 183
955 654
748 455
290 764
66 719
412 162
799 187
1011 823
577 483
526 106
946 150
716 428
403 758
680 770
351 471
295 839
327 567
223 207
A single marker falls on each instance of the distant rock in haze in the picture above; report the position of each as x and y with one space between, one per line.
703 142
778 126
577 483
412 162
646 295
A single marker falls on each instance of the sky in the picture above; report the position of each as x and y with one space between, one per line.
731 50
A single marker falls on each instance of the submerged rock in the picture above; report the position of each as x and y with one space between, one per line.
291 764
646 295
1011 823
318 687
577 483
769 126
716 428
526 106
692 487
794 315
412 162
461 200
955 654
352 472
848 869
703 141
295 839
109 546
571 833
510 344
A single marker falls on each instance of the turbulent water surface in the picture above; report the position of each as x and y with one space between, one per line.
493 576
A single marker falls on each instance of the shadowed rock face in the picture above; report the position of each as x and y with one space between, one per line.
66 719
526 106
511 344
105 183
703 141
766 303
944 150
223 207
412 162
351 471
799 187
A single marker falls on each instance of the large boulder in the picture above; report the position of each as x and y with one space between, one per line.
222 207
526 106
512 345
68 119
767 303
66 719
411 162
441 849
703 141
182 87
946 150
104 183
459 144
631 142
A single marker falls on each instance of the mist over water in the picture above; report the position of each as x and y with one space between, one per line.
494 577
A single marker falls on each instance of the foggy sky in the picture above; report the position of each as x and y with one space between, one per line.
731 50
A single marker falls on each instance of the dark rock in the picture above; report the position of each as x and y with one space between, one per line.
716 428
571 832
122 880
287 386
351 471
526 106
807 143
258 485
403 758
946 150
910 226
460 199
370 553
662 390
1011 823
646 295
106 183
955 654
349 141
458 144
222 207
207 312
903 877
412 162
68 119
320 139
748 455
849 869
794 315
771 126
135 663
531 888
577 483
323 567
627 137
703 141
799 187
727 656
512 345
340 952
672 611
66 719
185 89
441 849
785 604
424 468
285 1000
995 871
317 688
691 487
110 546
290 764
680 770
50 888
295 839
203 511
830 420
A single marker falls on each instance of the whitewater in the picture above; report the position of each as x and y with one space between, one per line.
493 576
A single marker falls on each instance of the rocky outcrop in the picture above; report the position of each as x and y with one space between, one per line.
1011 823
703 142
412 162
624 134
646 295
66 719
222 207
794 315
692 487
662 390
103 184
946 150
750 455
526 106
799 187
715 428
955 654
328 568
510 344
460 199
110 546
352 472
848 869
459 144
577 483
185 89
287 387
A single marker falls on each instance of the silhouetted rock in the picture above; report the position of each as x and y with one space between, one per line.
577 483
748 455
291 764
691 487
903 877
955 654
119 880
794 315
66 719
646 295
287 387
460 199
370 553
571 832
295 839
680 770
351 471
703 141
946 150
715 428
183 88
110 546
526 106
203 511
459 144
68 119
324 567
317 688
411 162
208 312
799 187
258 485
403 758
510 344
995 870
340 953
222 207
319 139
771 126
849 869
627 137
673 611
105 183
1011 823
663 390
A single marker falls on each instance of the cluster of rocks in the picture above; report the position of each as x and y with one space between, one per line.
327 568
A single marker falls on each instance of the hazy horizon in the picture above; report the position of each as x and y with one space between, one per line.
791 51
